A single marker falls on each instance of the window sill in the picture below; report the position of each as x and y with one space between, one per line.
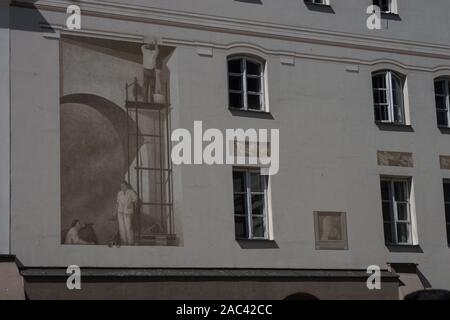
404 248
257 243
384 126
444 130
251 113
336 247
390 16
320 7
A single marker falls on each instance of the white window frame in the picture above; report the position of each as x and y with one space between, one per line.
391 4
394 210
389 91
248 206
262 96
446 94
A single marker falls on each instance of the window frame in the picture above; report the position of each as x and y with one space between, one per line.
389 78
248 203
446 94
244 77
391 5
393 210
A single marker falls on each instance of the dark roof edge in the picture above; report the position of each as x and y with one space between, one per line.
204 273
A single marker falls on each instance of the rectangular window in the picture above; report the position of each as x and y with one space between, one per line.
447 208
442 98
395 197
386 6
250 204
246 84
388 97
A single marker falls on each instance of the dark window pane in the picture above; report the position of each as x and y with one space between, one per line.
235 83
254 84
381 113
376 96
253 68
448 233
397 97
240 227
380 96
388 236
387 211
397 84
238 181
258 227
439 87
400 191
257 204
447 191
383 97
402 233
235 66
254 102
398 113
379 81
385 186
402 211
376 82
383 4
236 100
378 114
240 204
442 118
441 102
256 182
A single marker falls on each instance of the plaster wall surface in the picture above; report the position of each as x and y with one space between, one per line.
328 139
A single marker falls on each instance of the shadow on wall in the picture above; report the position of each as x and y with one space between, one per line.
93 161
25 16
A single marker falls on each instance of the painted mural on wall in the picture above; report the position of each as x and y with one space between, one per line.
116 177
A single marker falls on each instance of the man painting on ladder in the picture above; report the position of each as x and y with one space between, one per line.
150 54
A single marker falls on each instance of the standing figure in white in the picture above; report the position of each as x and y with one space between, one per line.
152 80
126 202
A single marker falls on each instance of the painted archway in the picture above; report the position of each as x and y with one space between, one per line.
94 151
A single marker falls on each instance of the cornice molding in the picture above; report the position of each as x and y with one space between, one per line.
245 27
54 32
245 47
